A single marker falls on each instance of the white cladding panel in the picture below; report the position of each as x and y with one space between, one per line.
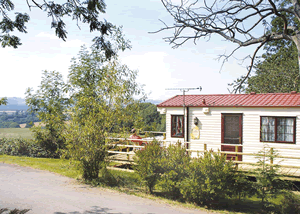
210 129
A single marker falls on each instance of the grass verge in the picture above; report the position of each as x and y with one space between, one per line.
129 183
60 166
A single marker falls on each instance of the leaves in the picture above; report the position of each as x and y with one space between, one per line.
104 96
50 103
85 12
277 72
3 101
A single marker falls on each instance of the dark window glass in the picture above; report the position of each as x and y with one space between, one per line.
177 126
278 129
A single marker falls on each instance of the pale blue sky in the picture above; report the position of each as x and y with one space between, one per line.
159 66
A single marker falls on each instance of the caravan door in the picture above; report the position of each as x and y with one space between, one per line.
232 133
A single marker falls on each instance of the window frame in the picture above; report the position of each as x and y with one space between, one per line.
275 131
176 136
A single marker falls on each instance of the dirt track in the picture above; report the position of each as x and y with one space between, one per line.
49 193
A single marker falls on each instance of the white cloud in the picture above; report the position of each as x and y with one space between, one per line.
47 35
153 72
76 43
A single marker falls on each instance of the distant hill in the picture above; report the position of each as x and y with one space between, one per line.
14 103
17 103
156 102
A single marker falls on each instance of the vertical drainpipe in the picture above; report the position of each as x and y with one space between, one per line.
187 127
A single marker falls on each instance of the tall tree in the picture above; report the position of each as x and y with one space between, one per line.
238 21
151 118
50 103
85 12
277 72
101 90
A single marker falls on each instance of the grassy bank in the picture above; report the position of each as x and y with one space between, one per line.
60 166
129 183
15 133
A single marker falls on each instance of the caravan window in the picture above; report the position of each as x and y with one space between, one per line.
278 129
177 126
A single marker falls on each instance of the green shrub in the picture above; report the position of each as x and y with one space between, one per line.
174 163
149 166
50 141
21 147
268 184
210 178
290 203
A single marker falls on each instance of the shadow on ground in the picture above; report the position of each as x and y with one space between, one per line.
95 210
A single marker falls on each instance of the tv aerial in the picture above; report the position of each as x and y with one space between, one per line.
184 90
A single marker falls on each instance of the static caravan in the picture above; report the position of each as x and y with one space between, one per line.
231 122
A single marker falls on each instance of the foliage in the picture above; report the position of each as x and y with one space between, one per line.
21 147
102 94
268 184
152 119
149 164
290 203
85 12
278 72
129 182
242 22
19 117
174 163
3 101
50 103
210 179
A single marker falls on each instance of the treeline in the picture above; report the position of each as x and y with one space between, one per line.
151 119
14 119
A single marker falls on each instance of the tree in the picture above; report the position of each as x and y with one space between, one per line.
151 118
3 101
100 91
236 21
86 12
14 125
50 103
275 73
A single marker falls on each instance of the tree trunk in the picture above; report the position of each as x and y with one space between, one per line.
296 40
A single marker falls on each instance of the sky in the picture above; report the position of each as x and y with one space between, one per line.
159 65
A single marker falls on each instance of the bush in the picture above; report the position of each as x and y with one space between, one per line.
268 184
290 203
174 163
50 141
210 179
149 165
21 147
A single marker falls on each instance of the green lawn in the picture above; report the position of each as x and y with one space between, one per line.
15 133
59 166
128 182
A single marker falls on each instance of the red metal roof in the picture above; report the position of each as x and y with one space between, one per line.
235 100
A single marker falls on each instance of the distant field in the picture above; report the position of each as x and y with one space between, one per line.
15 133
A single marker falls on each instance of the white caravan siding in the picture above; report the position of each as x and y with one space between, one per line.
210 129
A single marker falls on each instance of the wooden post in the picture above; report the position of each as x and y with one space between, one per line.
271 158
127 150
205 147
236 155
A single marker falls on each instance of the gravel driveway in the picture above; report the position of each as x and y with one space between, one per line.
49 193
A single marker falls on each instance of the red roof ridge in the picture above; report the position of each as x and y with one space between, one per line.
235 100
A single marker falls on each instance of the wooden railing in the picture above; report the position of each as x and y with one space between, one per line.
132 147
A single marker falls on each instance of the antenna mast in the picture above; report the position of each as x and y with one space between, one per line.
183 90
